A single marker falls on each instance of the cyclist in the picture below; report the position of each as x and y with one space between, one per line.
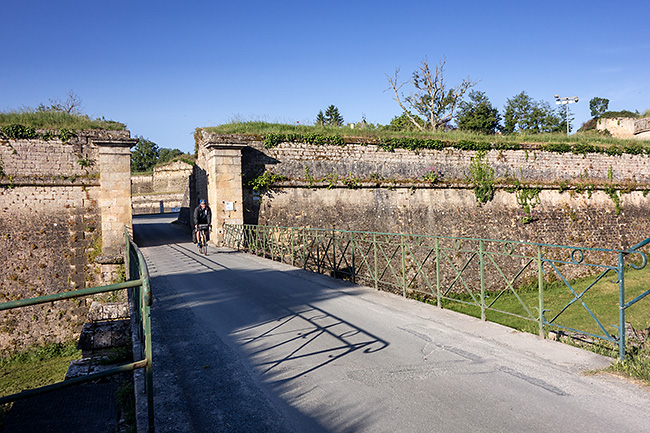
202 215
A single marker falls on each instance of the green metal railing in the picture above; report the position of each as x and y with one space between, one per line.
140 296
479 274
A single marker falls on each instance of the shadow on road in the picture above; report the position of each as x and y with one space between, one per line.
240 338
162 229
313 323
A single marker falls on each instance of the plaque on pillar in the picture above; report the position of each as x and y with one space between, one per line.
229 205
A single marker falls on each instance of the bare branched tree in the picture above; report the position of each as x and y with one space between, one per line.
72 105
431 100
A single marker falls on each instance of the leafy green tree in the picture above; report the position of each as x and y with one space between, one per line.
478 114
166 155
403 123
432 100
333 117
525 115
144 155
598 106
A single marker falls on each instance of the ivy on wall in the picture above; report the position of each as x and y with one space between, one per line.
527 198
20 132
265 180
274 139
481 176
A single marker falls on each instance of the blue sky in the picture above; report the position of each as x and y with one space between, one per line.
165 68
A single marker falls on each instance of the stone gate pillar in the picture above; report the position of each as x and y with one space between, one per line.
115 193
225 195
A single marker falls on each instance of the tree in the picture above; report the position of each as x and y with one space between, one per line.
332 117
403 123
598 106
72 105
478 114
320 119
432 100
524 114
144 155
166 155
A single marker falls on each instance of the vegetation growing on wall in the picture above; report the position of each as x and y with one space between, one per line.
265 180
274 134
481 176
56 120
624 113
527 198
17 131
390 144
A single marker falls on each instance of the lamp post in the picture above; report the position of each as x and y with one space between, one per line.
566 101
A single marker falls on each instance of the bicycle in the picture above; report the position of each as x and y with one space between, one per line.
201 237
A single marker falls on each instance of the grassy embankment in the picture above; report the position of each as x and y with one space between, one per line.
263 128
38 366
57 120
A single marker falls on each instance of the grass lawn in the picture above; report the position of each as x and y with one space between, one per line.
36 367
379 133
57 120
601 299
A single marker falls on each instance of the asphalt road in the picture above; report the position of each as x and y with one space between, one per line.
244 344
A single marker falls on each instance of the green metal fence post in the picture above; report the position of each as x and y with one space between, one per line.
333 252
481 260
293 248
403 266
127 254
318 251
304 250
374 244
146 317
540 291
621 306
354 269
438 290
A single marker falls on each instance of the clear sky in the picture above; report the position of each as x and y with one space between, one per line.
164 68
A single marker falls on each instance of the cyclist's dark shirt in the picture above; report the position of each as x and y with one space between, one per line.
202 216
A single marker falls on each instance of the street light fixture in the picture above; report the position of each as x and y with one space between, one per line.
566 101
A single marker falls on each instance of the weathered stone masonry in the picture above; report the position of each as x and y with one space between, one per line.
218 178
168 184
392 197
63 207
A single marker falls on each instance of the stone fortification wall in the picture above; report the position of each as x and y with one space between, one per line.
51 229
626 127
563 219
576 200
141 184
591 200
619 127
26 160
371 163
168 184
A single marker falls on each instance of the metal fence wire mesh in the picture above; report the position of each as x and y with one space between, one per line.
487 278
